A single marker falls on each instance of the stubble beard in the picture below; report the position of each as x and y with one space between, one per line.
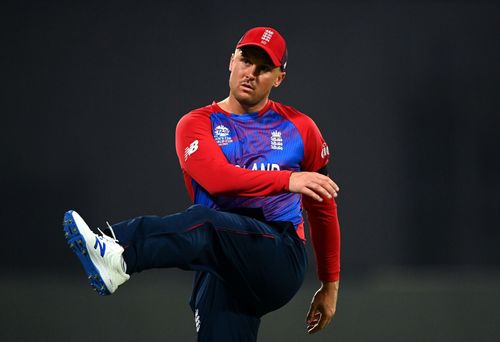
247 100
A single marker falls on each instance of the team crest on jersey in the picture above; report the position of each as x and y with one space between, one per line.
222 135
276 140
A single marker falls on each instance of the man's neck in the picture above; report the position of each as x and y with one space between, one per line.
233 106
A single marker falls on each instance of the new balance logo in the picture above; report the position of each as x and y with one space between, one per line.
101 245
190 149
197 320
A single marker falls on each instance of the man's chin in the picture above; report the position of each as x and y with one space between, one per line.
246 101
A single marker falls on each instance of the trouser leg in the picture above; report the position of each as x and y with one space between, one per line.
180 240
265 265
218 314
207 240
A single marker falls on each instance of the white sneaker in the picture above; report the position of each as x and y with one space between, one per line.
101 256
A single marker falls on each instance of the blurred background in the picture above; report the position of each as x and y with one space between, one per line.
405 93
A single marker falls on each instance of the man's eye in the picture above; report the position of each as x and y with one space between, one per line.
265 68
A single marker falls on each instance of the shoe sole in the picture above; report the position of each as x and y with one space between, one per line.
78 245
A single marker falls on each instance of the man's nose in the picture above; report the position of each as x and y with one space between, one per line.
252 71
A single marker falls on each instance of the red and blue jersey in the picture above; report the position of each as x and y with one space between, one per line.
244 161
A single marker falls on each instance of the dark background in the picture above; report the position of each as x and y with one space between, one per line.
405 93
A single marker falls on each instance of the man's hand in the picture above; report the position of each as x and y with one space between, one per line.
313 184
323 307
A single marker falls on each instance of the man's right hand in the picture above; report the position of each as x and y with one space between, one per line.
313 184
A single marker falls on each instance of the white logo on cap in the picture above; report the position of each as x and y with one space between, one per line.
266 37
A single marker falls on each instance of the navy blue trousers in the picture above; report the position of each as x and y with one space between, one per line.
244 267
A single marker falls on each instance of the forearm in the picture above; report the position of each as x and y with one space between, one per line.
325 236
228 180
203 160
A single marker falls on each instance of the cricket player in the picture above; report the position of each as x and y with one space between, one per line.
251 166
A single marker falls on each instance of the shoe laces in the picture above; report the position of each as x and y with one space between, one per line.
107 237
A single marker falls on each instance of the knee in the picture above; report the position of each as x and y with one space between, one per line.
201 211
212 217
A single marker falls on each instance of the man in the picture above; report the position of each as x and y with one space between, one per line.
250 164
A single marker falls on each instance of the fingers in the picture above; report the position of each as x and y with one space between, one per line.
313 316
335 186
318 324
328 188
312 312
323 187
323 307
318 317
313 325
312 194
314 185
317 320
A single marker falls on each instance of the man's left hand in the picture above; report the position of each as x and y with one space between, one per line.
323 306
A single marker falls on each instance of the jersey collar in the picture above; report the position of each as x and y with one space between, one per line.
217 108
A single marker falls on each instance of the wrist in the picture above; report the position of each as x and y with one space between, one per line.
330 286
287 179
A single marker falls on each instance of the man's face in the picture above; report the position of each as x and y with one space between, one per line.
253 75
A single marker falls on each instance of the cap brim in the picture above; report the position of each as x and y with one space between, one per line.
276 61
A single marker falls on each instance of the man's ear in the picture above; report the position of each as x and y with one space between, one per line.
280 79
231 59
